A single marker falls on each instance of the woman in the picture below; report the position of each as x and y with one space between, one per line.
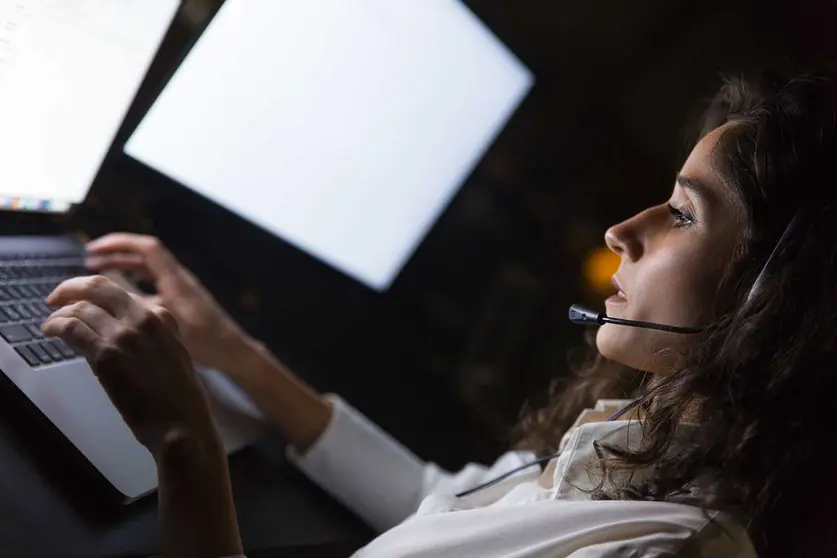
725 451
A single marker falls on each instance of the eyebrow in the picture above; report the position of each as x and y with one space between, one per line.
697 187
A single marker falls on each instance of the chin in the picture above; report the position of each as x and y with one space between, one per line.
614 343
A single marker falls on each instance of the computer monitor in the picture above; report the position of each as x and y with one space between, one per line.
342 126
69 70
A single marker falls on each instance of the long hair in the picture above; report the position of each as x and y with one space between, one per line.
761 379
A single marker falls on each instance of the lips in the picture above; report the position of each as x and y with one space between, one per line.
620 292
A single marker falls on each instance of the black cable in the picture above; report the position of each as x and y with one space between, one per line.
540 460
650 325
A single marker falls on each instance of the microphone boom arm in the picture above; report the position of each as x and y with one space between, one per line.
583 316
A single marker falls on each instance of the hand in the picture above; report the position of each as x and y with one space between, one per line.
208 332
135 352
134 349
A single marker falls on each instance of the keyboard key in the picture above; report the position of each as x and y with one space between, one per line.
13 314
37 271
28 355
43 309
53 352
35 331
23 310
39 351
65 350
15 333
44 289
37 310
40 289
27 291
5 295
16 294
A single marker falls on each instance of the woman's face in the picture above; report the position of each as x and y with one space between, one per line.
672 259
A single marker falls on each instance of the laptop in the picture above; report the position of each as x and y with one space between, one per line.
342 127
69 71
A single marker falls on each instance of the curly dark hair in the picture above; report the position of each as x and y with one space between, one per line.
761 379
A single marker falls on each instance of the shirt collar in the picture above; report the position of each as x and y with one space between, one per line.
578 471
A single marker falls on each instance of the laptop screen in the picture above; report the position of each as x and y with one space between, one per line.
342 126
69 70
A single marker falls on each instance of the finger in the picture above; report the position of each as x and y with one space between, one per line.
99 290
119 262
75 333
101 322
156 257
131 264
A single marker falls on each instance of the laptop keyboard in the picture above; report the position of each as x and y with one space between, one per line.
25 281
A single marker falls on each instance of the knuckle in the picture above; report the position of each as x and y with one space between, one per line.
163 314
95 281
125 337
107 355
148 322
72 326
152 243
81 308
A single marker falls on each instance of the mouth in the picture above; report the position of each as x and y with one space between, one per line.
619 296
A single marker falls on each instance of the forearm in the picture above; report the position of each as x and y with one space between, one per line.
298 411
196 507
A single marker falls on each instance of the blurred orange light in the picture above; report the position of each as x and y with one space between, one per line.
599 267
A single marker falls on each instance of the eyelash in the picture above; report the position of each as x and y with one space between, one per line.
681 218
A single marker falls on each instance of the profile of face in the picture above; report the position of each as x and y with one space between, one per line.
672 257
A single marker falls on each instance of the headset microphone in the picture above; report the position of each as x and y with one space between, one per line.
583 316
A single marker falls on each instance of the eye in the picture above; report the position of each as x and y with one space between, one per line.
681 218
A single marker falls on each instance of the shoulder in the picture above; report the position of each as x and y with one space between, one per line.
667 529
589 529
654 529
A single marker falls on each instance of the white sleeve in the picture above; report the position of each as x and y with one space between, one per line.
375 476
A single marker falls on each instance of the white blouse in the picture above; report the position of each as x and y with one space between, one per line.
413 502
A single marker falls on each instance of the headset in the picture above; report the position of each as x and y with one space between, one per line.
582 316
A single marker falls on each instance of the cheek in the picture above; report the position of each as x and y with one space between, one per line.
675 290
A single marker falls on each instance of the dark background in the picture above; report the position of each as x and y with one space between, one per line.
477 320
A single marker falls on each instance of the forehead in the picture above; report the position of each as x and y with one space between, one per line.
701 176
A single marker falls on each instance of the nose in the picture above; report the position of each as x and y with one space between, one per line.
627 238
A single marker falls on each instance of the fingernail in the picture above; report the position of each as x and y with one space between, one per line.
93 244
92 261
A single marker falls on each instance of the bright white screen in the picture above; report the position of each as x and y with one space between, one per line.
69 70
342 126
